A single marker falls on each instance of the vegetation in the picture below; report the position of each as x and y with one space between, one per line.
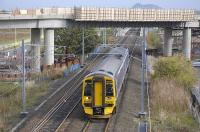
72 39
176 68
10 93
110 33
169 95
11 103
153 39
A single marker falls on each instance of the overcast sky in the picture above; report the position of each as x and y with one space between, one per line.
11 4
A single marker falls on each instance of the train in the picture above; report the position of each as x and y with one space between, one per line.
101 87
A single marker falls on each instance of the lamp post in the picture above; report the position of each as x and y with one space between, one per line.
24 112
83 46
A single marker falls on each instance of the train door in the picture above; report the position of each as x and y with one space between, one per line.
98 94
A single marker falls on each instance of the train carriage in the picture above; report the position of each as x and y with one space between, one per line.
102 86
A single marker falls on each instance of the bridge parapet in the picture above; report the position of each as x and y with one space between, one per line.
110 14
122 14
68 12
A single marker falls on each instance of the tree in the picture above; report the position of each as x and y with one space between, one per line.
72 39
153 39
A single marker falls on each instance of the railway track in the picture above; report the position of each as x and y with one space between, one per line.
97 125
55 119
55 116
52 121
84 124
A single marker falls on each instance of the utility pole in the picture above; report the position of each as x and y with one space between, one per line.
15 36
142 113
24 112
105 35
83 46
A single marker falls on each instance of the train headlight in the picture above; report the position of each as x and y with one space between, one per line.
108 98
87 98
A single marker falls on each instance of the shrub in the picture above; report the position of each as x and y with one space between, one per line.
169 94
177 68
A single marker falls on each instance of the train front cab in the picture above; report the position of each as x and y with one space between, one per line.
98 96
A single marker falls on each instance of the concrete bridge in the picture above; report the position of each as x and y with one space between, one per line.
51 18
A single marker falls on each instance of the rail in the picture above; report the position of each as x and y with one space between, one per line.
101 125
65 106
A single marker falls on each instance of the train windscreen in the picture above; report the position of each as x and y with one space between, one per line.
109 90
88 88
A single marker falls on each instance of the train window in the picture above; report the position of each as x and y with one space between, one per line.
109 90
88 88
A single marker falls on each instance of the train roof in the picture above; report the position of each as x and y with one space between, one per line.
112 62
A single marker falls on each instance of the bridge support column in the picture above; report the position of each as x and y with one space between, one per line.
187 43
168 42
35 40
49 46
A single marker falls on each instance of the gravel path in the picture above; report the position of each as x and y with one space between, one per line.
126 117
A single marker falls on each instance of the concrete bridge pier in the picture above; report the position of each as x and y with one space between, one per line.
168 42
187 43
35 40
49 46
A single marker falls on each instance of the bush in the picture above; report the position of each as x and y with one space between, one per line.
169 95
176 68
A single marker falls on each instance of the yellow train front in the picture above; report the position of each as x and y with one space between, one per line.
98 97
102 86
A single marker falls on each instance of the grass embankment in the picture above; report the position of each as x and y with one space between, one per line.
10 95
170 95
11 102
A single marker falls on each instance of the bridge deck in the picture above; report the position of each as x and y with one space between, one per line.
99 17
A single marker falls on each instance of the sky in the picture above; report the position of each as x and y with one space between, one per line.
12 4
